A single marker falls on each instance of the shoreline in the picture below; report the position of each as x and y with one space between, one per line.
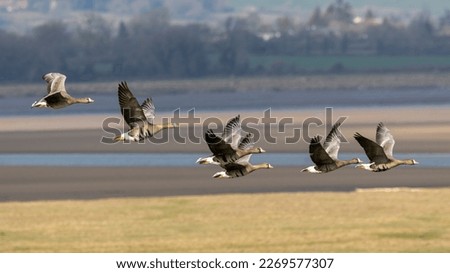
345 81
427 132
90 183
431 114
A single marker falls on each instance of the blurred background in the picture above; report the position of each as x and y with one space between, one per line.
104 40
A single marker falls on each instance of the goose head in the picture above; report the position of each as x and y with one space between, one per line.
311 169
125 137
366 166
201 161
413 162
261 166
170 125
83 100
207 160
221 174
39 104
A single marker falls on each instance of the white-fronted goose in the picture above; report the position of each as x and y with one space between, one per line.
242 165
57 96
326 157
380 153
240 168
229 147
231 134
138 117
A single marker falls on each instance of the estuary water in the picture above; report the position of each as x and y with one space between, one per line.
221 101
426 160
248 100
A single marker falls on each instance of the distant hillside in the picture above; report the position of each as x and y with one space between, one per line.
435 7
23 15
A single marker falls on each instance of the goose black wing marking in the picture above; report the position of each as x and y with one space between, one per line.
374 152
318 154
129 106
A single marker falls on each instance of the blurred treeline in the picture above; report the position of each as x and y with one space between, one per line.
151 46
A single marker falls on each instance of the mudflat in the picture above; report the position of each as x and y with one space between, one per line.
416 130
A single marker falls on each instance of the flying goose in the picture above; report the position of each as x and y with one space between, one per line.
380 153
231 134
325 157
138 117
240 168
57 96
242 165
229 147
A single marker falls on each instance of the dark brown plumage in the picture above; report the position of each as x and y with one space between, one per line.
138 117
325 157
57 96
230 146
380 152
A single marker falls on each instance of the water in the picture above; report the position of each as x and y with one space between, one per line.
438 160
223 101
251 100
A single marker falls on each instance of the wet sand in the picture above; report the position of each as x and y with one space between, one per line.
416 130
49 183
423 130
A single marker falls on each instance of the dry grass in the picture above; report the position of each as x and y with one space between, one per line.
403 221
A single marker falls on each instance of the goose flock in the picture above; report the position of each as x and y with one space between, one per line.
232 151
233 148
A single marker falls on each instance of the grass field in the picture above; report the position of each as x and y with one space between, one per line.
403 221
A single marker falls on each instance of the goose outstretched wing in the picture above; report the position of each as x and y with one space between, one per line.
232 131
374 152
332 142
385 139
129 106
149 109
317 153
55 83
216 144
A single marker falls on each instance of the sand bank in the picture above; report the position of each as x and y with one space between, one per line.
424 130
